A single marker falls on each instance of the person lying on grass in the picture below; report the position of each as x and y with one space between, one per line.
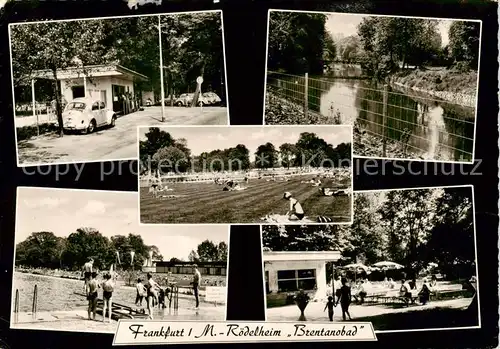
296 213
333 192
156 189
232 185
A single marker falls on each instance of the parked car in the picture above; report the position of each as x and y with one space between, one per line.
185 100
211 98
85 115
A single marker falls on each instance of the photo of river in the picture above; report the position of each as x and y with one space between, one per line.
437 130
407 85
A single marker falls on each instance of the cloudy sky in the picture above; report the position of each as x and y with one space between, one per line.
62 211
203 139
347 24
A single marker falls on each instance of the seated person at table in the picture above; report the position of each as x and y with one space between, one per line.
391 283
404 291
362 292
424 293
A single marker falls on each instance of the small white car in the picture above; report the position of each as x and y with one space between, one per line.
85 115
211 98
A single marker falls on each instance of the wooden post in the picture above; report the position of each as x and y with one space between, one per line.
33 100
384 120
306 94
333 281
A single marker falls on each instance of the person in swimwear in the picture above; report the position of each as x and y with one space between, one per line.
107 295
87 273
296 212
231 185
331 192
151 295
92 295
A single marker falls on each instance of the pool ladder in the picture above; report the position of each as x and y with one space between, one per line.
34 306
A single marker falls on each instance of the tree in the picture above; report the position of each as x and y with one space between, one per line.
412 212
451 243
366 234
266 156
193 256
157 256
304 238
54 46
207 251
297 42
171 159
86 243
155 140
464 42
222 252
193 47
40 250
287 152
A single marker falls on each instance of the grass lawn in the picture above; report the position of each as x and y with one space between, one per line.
207 203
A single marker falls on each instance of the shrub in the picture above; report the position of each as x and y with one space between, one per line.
27 132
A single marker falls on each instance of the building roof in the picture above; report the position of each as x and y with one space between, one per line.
301 256
91 71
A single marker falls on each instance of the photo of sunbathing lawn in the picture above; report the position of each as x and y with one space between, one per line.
376 270
88 273
294 175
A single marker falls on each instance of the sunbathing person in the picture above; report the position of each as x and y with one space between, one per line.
231 186
296 213
333 192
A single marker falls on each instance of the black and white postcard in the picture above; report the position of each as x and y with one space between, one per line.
81 87
251 174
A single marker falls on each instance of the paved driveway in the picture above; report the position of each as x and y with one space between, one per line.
115 143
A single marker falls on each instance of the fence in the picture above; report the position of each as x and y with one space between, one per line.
147 180
400 122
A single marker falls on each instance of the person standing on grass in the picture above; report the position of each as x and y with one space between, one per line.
345 299
296 213
107 296
196 283
87 273
92 295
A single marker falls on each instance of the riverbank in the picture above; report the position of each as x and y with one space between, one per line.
369 145
281 111
447 84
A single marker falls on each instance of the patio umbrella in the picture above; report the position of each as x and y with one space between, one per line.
356 266
389 265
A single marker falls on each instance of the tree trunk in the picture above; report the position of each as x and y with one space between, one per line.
171 88
198 88
58 104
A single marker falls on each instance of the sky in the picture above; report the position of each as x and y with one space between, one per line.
206 139
62 211
347 25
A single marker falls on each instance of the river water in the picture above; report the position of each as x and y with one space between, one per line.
438 130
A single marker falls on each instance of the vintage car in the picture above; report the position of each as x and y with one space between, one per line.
85 115
185 100
211 98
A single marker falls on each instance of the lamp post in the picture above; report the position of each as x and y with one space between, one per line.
161 72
